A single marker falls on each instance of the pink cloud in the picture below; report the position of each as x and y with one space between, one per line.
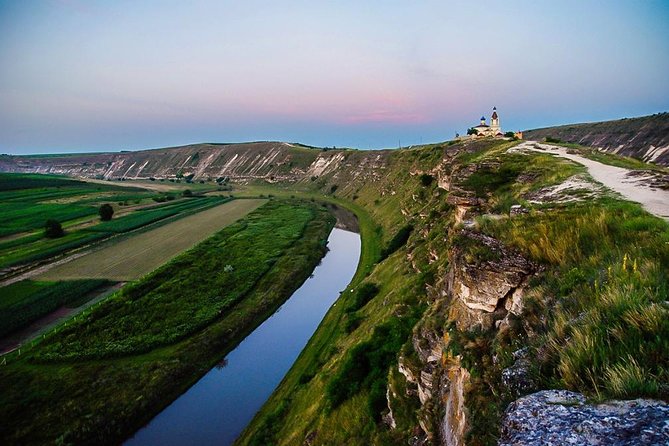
385 117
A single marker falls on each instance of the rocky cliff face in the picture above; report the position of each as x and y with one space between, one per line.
272 161
645 138
469 365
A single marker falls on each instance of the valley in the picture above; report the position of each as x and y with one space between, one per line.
489 270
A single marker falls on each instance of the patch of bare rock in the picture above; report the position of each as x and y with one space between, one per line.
561 417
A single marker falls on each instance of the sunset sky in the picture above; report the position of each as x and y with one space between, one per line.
124 75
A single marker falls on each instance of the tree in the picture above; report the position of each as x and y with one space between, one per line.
53 229
187 193
106 211
472 131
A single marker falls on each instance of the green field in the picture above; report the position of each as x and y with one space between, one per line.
24 302
140 254
153 312
94 400
17 181
28 200
26 216
144 217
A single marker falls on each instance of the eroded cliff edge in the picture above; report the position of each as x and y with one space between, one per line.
497 329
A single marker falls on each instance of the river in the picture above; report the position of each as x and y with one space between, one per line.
216 409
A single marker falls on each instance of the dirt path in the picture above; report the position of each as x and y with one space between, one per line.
626 182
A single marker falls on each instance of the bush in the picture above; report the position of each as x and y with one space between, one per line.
187 193
553 140
106 212
397 242
53 229
366 366
426 179
365 293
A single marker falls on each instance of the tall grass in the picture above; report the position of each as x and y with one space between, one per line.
606 267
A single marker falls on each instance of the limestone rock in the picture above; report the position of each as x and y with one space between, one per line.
454 423
485 292
560 417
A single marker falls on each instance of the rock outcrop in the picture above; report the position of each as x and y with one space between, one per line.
483 293
560 417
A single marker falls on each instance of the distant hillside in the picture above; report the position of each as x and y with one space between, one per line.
258 160
645 138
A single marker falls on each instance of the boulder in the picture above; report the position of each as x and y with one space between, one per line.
561 417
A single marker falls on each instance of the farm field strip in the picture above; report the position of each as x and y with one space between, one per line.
34 247
132 258
28 307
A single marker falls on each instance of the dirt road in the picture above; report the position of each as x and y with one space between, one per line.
626 182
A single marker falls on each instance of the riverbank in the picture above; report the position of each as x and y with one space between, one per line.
105 399
216 409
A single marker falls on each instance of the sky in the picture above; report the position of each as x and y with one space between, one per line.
86 75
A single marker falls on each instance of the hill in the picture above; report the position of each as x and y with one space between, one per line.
645 138
276 161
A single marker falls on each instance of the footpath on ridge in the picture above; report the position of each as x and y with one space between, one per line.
626 182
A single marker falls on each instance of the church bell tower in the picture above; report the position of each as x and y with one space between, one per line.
494 121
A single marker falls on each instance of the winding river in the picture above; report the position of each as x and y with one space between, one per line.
218 407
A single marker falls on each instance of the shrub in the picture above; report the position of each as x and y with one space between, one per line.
365 293
366 366
106 212
53 229
187 193
426 179
397 242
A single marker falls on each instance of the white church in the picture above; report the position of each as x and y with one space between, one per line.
484 129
